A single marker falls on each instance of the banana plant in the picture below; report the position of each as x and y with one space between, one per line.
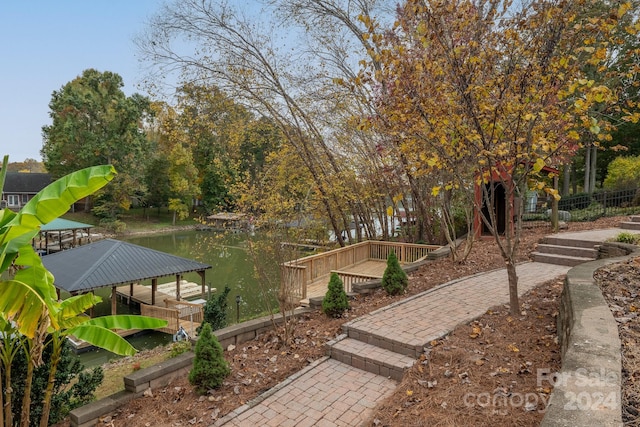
29 311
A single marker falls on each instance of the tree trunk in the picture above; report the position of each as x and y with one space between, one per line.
48 395
593 168
8 412
514 304
566 179
587 169
26 398
1 399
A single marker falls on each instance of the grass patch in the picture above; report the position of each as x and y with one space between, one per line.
626 237
115 372
140 220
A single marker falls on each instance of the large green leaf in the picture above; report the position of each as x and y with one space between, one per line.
103 338
98 331
76 305
20 304
128 321
56 199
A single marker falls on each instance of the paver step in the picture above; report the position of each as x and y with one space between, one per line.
634 218
387 342
563 241
570 261
630 225
370 358
567 250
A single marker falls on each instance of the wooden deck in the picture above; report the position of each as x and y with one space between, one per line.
366 270
142 293
308 277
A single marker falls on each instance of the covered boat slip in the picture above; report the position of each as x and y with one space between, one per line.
121 265
62 234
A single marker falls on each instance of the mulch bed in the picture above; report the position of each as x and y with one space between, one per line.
620 284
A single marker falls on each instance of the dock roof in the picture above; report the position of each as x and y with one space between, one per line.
61 224
112 262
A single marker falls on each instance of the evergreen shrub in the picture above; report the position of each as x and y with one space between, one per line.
394 279
209 366
215 310
335 301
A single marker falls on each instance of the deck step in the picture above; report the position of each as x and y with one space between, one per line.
558 240
573 251
570 261
630 225
370 358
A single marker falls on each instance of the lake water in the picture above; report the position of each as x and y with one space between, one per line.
232 265
227 253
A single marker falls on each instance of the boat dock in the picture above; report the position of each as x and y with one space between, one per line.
142 294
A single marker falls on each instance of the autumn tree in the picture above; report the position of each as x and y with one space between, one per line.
490 93
286 83
94 122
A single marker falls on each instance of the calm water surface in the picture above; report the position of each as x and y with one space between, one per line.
232 265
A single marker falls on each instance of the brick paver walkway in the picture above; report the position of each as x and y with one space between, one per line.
430 315
329 394
335 394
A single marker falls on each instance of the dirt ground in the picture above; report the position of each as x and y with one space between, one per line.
490 367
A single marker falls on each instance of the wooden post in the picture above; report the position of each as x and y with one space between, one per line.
554 206
114 304
177 287
202 278
154 288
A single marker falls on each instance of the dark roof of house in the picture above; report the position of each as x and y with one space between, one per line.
18 182
60 224
111 262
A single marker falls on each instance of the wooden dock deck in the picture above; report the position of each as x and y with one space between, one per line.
365 270
308 277
141 294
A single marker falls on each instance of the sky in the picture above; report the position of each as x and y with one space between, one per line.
46 44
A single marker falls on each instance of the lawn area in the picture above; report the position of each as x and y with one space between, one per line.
139 219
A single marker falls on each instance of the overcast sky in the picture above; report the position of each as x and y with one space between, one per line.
45 44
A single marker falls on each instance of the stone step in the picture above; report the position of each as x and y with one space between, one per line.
388 343
574 243
634 218
369 357
570 261
630 225
567 250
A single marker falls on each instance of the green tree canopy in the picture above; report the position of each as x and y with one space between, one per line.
93 123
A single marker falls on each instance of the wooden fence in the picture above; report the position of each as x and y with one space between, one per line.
299 273
176 313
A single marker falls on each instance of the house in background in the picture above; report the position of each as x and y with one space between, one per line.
19 188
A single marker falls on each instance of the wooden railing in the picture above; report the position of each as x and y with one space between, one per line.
173 313
302 271
349 279
168 314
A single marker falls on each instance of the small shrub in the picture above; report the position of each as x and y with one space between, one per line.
113 226
209 366
626 237
215 310
335 301
394 279
180 347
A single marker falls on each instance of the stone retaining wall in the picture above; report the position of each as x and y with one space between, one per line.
587 389
163 373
